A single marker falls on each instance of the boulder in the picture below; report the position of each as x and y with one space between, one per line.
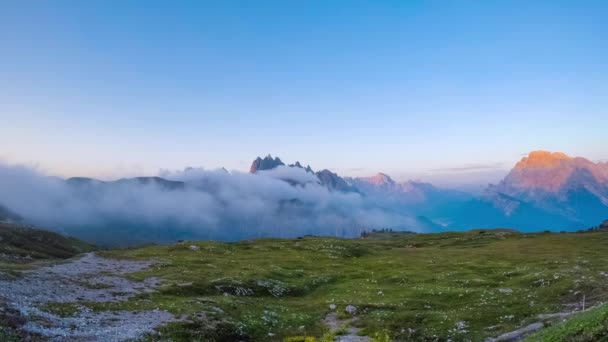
351 309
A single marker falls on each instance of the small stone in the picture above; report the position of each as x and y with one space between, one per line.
351 309
194 248
332 306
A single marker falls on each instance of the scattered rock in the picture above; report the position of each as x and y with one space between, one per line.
89 278
351 310
347 331
194 248
332 307
505 291
517 334
559 315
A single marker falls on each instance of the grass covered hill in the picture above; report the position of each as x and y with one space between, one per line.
24 248
387 286
23 244
458 286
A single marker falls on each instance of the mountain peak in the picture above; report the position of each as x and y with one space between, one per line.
542 159
380 179
298 165
268 163
334 182
553 172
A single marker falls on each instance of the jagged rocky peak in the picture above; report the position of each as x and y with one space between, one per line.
268 163
327 178
552 172
380 179
334 182
542 159
298 165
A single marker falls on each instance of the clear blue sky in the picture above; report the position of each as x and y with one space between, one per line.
426 89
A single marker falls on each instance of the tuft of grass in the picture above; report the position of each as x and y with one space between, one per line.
7 335
62 309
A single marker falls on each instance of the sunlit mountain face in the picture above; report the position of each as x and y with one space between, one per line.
544 191
573 188
556 172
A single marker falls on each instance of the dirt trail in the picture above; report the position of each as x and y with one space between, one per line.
89 278
335 324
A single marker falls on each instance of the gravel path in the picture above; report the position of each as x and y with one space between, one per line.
88 279
335 324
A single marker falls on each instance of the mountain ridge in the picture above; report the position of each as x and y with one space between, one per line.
570 187
543 191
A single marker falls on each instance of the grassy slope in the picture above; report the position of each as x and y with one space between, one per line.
22 248
589 326
405 286
24 244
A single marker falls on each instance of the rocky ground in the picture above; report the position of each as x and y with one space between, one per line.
26 300
344 329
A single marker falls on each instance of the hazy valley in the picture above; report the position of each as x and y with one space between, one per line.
544 191
300 255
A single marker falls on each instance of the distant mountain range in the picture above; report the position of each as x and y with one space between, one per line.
544 191
327 178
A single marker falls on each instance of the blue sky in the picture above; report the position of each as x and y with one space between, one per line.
447 91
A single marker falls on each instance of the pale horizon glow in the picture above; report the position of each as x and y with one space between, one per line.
449 93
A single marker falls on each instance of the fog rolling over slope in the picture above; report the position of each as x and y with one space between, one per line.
192 204
545 191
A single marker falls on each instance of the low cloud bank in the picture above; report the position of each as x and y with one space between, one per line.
191 204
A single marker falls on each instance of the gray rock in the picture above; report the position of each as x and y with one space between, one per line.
351 309
89 278
518 334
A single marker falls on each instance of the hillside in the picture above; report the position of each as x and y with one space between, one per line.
23 249
20 244
588 326
472 285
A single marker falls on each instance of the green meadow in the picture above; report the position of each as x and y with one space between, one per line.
458 286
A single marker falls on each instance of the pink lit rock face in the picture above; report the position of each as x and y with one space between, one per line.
571 187
553 172
383 184
380 179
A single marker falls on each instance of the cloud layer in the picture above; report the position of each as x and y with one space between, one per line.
191 204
